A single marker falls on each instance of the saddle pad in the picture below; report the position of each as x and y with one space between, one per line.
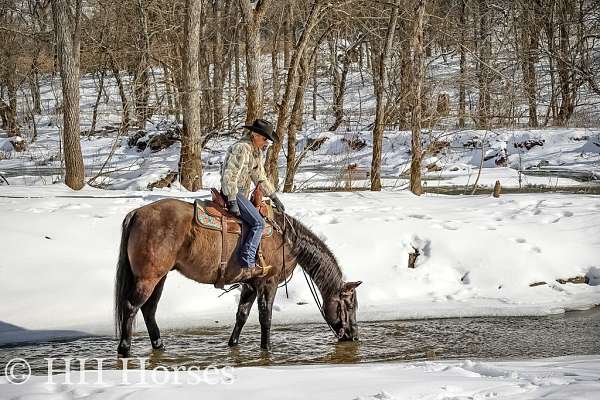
207 219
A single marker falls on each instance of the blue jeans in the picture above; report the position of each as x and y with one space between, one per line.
255 224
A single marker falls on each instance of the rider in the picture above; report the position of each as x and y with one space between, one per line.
244 163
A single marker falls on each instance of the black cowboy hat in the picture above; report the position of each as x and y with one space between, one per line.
263 128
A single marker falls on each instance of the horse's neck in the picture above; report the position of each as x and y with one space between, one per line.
316 259
327 278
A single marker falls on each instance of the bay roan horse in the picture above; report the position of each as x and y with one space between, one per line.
161 237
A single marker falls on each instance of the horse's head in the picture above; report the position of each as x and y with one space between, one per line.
340 311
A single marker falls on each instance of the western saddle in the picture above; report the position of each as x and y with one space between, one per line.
214 215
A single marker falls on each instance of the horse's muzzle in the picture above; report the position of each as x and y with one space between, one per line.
348 338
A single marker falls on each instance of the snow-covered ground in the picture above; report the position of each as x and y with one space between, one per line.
559 379
478 256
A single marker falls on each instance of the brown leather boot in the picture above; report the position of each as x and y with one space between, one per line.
255 272
264 270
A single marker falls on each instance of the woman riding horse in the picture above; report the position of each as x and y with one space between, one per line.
244 163
163 236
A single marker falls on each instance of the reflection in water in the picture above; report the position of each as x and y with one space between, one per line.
513 337
343 353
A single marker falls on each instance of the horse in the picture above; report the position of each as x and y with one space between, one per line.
162 236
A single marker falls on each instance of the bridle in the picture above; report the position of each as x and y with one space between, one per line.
342 311
341 307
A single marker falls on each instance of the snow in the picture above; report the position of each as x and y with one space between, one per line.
478 256
558 378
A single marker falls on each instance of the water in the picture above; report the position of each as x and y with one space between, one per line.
574 333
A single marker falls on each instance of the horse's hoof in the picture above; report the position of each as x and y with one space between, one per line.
232 343
158 344
122 353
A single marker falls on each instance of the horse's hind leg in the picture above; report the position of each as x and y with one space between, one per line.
138 296
246 300
149 311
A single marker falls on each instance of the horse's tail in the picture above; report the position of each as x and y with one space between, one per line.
124 280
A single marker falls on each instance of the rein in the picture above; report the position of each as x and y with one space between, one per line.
313 291
341 309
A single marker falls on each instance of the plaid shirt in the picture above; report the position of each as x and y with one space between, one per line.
243 164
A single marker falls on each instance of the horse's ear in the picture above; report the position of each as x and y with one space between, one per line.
350 286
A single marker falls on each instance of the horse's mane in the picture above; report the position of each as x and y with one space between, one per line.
314 257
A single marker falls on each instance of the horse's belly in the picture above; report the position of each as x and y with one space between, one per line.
201 260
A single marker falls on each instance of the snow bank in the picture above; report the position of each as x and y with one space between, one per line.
560 378
478 256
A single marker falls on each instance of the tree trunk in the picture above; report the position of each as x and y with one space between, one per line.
237 70
340 83
549 29
190 160
124 101
34 84
97 103
12 82
69 74
485 53
463 65
275 68
529 40
252 17
405 77
142 76
564 68
295 122
168 89
379 84
219 69
290 90
418 75
315 86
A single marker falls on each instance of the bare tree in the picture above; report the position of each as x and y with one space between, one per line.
190 161
67 43
252 16
417 73
484 44
379 84
529 40
291 87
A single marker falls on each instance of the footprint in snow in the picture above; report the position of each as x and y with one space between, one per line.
553 219
567 214
419 216
450 225
536 249
520 240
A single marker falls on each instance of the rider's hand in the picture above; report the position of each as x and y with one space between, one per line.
278 204
233 207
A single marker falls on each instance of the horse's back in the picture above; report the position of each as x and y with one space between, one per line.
157 231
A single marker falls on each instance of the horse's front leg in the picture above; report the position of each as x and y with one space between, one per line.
246 300
265 310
